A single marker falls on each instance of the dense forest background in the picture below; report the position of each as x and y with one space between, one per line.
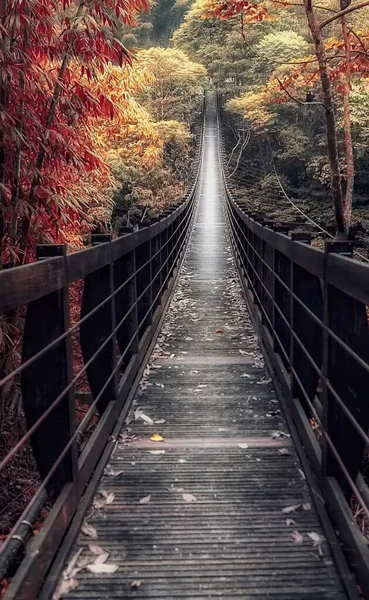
264 65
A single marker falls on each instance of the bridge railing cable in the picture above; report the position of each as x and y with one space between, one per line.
126 285
310 308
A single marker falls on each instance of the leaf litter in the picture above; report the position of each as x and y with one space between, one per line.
89 531
189 498
78 563
289 509
140 415
100 569
317 540
297 537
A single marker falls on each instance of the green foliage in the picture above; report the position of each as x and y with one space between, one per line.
156 28
282 46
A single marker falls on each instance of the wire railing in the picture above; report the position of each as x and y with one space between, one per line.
127 283
310 309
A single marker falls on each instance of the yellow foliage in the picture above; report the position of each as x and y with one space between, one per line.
173 131
252 106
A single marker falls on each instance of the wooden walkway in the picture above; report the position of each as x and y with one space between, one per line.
221 507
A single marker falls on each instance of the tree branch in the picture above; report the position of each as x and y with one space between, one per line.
344 12
301 4
296 99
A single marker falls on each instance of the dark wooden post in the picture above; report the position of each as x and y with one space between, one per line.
164 256
143 282
249 253
307 288
155 271
347 318
97 328
126 302
47 318
282 266
268 278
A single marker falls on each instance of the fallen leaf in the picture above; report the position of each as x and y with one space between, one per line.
289 509
306 506
140 415
242 445
89 531
160 422
110 498
157 451
219 331
188 498
101 559
246 375
83 562
316 538
156 437
160 385
102 568
283 451
96 549
302 474
68 572
243 352
297 537
172 356
112 473
173 488
264 381
145 500
289 522
65 586
103 493
135 583
182 460
282 434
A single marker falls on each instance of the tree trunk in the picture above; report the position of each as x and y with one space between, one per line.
341 231
350 173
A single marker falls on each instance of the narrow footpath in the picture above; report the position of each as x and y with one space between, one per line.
220 507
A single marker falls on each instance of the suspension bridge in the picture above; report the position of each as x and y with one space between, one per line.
227 366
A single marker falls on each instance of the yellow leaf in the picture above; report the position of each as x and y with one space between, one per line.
156 437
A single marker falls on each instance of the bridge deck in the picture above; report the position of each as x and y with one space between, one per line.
210 522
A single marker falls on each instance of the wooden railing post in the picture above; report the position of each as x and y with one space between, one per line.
307 288
143 282
42 383
163 258
97 328
347 318
282 266
155 271
126 302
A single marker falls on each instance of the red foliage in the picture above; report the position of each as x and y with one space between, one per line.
49 53
225 9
